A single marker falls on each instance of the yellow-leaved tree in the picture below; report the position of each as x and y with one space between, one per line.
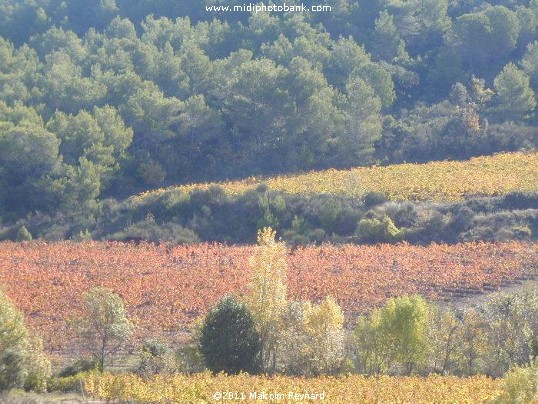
266 298
313 341
324 325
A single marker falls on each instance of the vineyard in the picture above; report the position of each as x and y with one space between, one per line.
434 181
166 287
201 388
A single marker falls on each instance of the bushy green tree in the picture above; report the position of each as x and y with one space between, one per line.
59 39
229 341
346 55
19 74
100 137
29 160
403 324
380 79
395 335
66 87
485 38
387 44
258 108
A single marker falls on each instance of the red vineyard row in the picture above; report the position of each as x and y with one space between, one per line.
166 287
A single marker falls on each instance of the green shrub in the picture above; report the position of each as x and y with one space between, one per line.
69 384
11 369
378 230
79 366
155 357
269 210
22 362
372 199
151 172
520 385
329 214
149 230
229 341
190 359
24 235
317 235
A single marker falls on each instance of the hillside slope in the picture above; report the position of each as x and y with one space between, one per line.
434 181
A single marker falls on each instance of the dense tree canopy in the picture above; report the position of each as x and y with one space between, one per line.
123 96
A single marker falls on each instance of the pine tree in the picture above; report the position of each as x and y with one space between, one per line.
515 97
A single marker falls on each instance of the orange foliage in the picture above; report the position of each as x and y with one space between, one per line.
166 287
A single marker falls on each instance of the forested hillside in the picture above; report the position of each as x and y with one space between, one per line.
100 100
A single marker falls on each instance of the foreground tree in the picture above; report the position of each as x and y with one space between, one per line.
229 341
520 384
313 339
22 362
105 327
511 330
443 335
266 299
472 341
394 335
13 344
325 329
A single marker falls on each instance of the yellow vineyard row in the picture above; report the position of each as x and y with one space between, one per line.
204 388
434 181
